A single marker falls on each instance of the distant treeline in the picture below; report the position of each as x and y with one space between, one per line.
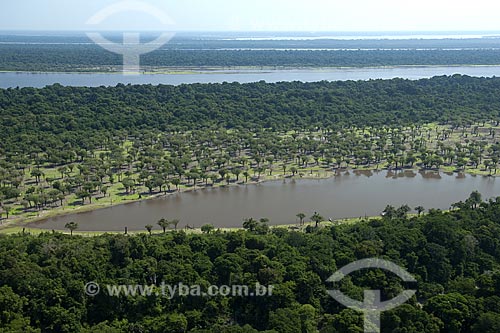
29 57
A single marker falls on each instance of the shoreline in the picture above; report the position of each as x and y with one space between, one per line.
27 222
60 211
239 69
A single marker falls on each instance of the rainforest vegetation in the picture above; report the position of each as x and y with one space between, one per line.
454 257
91 58
68 147
76 52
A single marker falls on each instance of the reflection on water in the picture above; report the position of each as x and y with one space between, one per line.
366 193
429 174
367 173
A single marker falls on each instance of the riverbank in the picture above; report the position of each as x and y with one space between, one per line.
294 226
27 222
240 69
114 201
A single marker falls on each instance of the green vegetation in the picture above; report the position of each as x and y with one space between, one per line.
453 255
67 150
92 58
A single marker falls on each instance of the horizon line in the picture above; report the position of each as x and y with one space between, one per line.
259 31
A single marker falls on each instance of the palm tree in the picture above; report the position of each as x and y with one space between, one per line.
175 223
316 218
72 226
250 224
419 210
402 211
223 173
163 223
301 217
237 172
149 227
246 174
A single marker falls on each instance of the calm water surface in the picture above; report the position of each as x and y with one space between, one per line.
39 80
347 195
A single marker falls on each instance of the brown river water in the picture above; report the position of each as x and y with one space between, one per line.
350 194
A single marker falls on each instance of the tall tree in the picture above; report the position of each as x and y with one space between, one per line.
72 226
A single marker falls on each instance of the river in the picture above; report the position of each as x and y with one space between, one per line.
346 195
39 80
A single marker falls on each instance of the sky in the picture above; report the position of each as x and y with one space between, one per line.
253 15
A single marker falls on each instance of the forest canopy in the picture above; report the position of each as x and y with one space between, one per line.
453 255
91 58
41 118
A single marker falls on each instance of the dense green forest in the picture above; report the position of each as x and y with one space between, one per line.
67 147
43 117
91 58
454 257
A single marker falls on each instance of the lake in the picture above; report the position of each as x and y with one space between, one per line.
350 194
39 80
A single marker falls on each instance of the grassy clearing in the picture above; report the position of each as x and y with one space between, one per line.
315 169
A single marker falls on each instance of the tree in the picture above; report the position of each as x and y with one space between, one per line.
7 209
301 217
104 190
420 210
246 174
250 224
316 218
237 172
128 183
72 226
402 211
389 212
175 223
176 182
453 309
163 223
475 199
487 323
149 228
37 173
82 195
207 228
150 185
262 227
222 173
